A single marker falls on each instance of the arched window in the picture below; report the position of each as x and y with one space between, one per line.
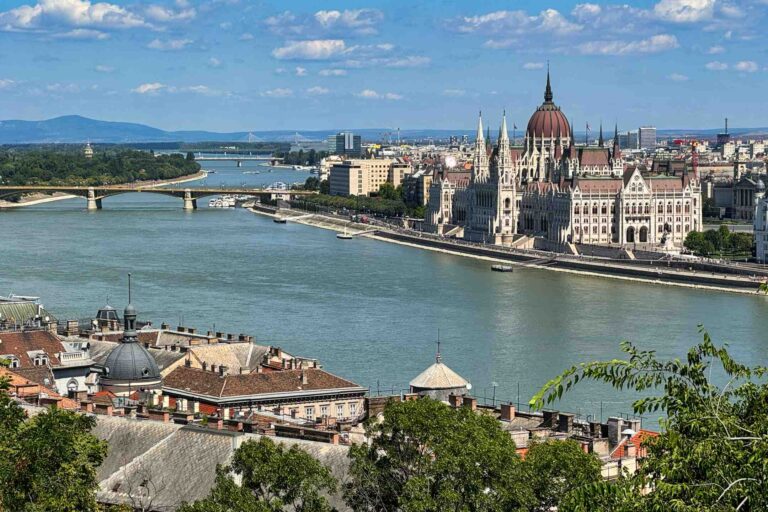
577 209
643 234
687 207
507 203
660 209
678 208
647 208
669 208
604 209
594 209
630 234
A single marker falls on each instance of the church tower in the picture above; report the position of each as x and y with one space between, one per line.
480 161
505 178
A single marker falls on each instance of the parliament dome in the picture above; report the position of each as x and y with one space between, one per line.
548 120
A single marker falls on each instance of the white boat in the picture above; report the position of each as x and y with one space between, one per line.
344 235
222 202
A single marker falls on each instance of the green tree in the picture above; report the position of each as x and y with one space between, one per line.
712 452
312 183
47 462
325 187
273 477
554 469
388 191
426 456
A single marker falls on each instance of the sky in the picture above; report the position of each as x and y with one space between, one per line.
232 65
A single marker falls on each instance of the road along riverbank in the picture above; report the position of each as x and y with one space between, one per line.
34 199
654 272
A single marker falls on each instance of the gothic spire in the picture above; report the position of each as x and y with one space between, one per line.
616 145
548 91
479 136
503 136
600 140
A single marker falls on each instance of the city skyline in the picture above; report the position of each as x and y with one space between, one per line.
230 65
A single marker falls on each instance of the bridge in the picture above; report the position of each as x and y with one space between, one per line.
94 195
239 158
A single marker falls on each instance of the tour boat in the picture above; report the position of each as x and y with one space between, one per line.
502 268
279 220
344 235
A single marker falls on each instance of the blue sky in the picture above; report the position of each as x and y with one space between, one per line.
230 65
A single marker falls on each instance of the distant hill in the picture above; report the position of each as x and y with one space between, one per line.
78 129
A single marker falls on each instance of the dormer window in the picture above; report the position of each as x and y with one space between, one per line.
13 361
41 360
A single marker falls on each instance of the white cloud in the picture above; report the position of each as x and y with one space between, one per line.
370 94
499 44
411 61
317 90
586 11
203 90
317 49
169 44
715 50
653 44
454 92
360 21
278 93
83 33
246 36
166 14
716 66
300 71
332 72
6 83
677 77
102 68
684 11
214 62
62 88
533 65
548 21
52 14
747 66
149 88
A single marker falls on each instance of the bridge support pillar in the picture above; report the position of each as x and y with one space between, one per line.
94 203
190 203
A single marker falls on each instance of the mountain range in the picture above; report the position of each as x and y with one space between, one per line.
78 129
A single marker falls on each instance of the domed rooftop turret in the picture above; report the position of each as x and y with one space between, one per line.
548 120
760 185
130 366
438 381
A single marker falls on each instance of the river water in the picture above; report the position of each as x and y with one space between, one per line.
369 310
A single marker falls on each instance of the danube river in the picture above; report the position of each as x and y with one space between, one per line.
369 310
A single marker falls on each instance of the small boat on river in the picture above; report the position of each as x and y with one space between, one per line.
502 268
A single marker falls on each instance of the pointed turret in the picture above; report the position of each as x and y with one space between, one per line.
479 136
616 146
503 135
600 140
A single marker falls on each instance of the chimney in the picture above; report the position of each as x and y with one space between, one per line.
565 423
230 337
615 426
304 380
181 328
550 418
210 334
223 370
188 363
219 335
196 407
191 330
507 412
454 400
470 402
166 401
241 337
213 367
225 413
164 326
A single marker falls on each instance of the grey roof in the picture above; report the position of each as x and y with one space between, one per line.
99 351
22 311
131 362
439 376
180 462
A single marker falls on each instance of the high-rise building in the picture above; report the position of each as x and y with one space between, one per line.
345 143
647 137
628 140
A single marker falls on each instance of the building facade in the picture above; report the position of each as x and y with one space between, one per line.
346 144
550 188
647 137
362 177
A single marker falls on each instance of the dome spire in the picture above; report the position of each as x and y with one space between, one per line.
129 319
548 91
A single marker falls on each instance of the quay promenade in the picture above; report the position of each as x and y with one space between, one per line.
695 273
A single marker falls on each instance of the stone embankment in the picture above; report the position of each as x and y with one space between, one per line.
692 274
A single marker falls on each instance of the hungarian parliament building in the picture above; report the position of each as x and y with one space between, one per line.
556 193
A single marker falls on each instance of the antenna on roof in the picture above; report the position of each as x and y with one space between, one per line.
129 287
437 357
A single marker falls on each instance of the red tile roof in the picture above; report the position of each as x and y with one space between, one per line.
23 387
638 439
208 383
593 185
593 157
18 343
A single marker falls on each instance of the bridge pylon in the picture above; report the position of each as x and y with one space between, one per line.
94 203
190 203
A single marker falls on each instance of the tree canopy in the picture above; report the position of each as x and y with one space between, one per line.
47 462
273 477
721 241
426 456
712 453
107 167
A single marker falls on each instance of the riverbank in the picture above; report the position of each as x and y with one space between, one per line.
645 272
35 199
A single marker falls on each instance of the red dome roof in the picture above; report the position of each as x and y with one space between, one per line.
548 120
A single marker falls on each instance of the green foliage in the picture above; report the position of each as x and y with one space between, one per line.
325 187
301 157
554 469
388 191
47 462
273 477
712 453
715 242
70 167
312 183
428 457
361 204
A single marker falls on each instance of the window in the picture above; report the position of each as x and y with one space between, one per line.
339 410
669 208
661 208
41 360
577 210
309 413
687 208
323 411
603 230
604 209
594 209
352 409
